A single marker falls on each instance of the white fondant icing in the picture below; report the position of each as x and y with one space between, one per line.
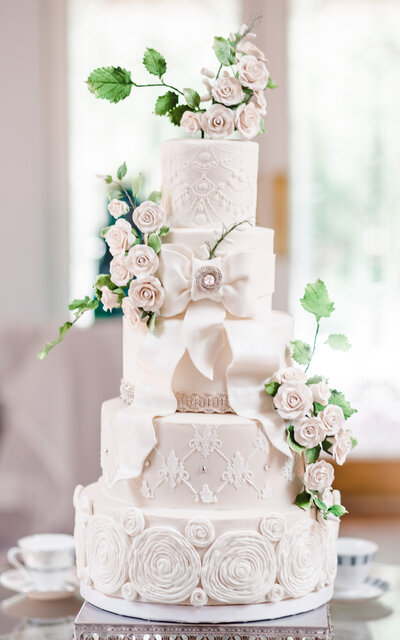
200 532
164 566
239 567
300 556
272 527
198 598
106 550
132 521
208 182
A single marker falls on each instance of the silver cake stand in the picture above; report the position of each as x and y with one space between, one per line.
93 623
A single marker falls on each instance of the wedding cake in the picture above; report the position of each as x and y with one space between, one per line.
215 501
196 504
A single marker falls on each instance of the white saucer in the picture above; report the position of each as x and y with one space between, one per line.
17 580
371 589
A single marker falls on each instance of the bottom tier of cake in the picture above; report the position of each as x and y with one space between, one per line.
126 557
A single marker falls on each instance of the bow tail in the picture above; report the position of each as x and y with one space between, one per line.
254 358
203 334
157 359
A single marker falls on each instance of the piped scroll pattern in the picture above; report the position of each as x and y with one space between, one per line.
205 440
283 559
196 199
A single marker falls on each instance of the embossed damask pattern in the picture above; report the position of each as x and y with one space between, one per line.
237 471
164 565
208 183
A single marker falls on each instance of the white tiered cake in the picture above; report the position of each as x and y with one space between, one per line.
195 510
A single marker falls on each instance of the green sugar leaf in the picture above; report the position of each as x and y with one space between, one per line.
319 504
108 179
318 407
165 103
303 500
337 510
151 322
115 195
262 125
354 442
271 388
103 232
292 442
192 97
316 300
164 231
315 380
155 196
110 83
301 351
327 445
312 455
175 115
121 172
271 84
154 62
136 184
225 51
338 341
154 242
50 345
337 397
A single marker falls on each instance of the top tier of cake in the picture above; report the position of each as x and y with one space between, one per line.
206 183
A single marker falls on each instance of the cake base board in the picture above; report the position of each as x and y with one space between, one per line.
209 614
92 622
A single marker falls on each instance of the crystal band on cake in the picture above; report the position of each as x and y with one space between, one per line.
203 402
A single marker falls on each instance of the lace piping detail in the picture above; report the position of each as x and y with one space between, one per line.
186 402
203 402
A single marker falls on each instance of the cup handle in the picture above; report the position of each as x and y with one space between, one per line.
12 557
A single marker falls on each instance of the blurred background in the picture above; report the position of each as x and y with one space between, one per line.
328 184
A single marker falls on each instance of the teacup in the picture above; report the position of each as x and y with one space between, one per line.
46 559
355 556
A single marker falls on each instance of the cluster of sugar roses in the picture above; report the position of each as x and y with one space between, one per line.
131 283
236 90
315 414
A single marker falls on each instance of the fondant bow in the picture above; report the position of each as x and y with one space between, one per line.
240 282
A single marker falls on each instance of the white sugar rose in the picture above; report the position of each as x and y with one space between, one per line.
319 476
251 49
259 101
308 432
120 271
228 90
321 392
218 122
293 401
142 260
130 311
148 216
147 293
119 237
252 73
342 445
247 120
118 208
332 418
191 122
109 299
292 374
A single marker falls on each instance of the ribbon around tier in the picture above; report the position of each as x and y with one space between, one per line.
239 282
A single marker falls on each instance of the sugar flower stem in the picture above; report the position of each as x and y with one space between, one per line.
159 84
314 346
224 234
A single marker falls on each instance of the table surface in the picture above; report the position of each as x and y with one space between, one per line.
26 619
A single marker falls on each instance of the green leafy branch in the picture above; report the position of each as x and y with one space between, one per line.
225 232
305 499
80 306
